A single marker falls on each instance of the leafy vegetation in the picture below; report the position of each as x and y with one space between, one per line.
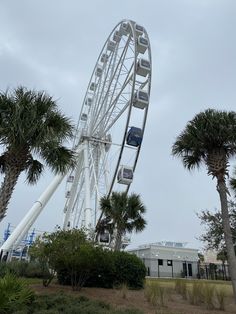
62 303
214 234
78 262
31 126
14 295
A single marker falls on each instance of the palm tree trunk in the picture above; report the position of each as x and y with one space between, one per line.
7 187
118 239
222 190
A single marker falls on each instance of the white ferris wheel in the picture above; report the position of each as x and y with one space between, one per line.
111 124
109 132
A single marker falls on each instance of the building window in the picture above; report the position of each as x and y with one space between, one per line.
169 262
160 262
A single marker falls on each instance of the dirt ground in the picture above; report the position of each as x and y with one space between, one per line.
136 299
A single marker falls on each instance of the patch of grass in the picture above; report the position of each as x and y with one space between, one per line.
196 293
63 303
209 294
181 288
221 297
124 290
155 294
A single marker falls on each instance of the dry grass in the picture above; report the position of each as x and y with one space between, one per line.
173 301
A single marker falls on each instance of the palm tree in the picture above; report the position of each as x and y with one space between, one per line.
30 126
210 139
124 213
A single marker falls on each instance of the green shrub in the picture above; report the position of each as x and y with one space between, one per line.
109 269
129 269
15 294
20 268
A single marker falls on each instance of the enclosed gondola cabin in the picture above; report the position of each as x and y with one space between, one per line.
93 86
134 137
104 58
111 45
70 179
138 29
88 101
99 71
141 99
116 36
142 44
104 238
143 67
84 117
125 175
124 29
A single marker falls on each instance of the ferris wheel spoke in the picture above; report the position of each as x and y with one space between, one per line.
104 94
106 117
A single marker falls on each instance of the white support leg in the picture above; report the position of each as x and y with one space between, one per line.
19 232
87 207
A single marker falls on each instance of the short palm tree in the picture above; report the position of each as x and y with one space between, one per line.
30 126
125 214
210 139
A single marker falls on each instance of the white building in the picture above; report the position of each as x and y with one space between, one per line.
168 259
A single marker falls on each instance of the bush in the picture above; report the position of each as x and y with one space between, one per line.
109 269
21 269
129 269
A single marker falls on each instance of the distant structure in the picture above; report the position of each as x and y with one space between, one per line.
169 259
21 251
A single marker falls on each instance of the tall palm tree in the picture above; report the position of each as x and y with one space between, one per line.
30 126
210 139
125 214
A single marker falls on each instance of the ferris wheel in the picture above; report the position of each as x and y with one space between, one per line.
109 133
111 124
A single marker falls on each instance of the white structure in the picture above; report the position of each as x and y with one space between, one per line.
122 69
168 259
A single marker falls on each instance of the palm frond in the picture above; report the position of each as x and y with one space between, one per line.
208 131
58 157
34 171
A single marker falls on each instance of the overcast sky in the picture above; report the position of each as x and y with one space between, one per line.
53 46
